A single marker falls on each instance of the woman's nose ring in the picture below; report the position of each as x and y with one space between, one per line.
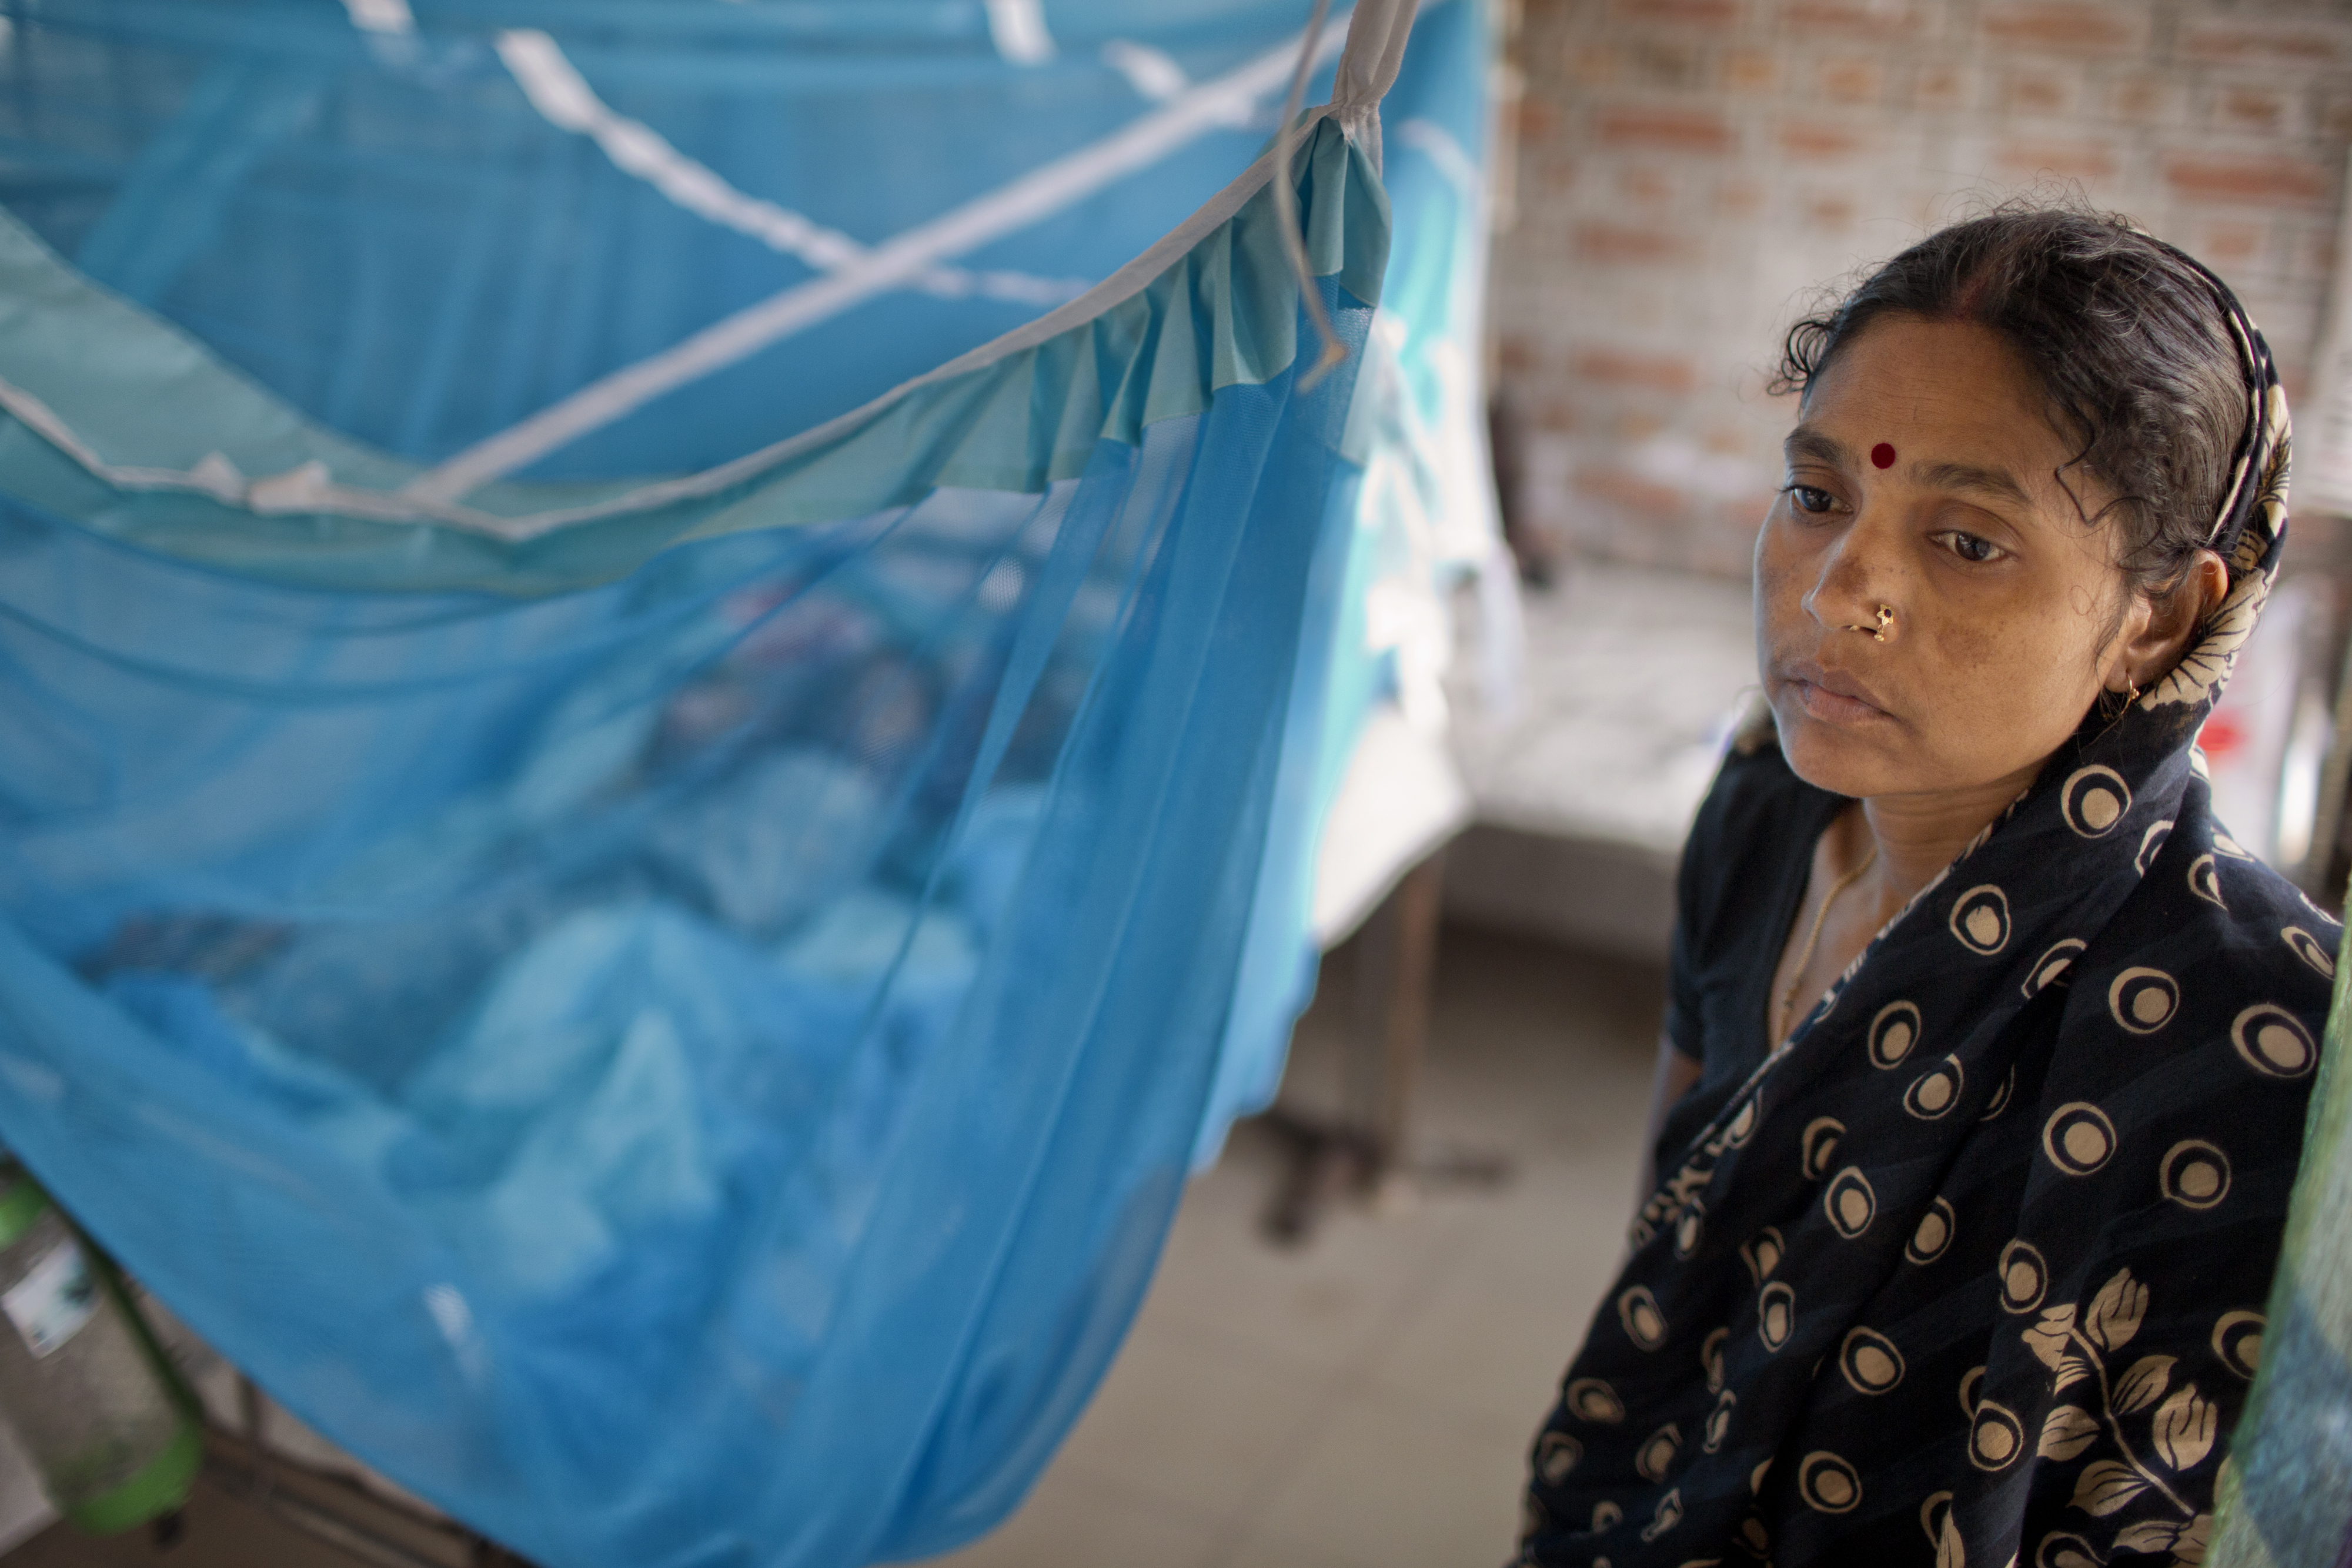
1885 625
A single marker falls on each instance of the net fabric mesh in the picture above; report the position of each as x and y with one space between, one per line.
682 1062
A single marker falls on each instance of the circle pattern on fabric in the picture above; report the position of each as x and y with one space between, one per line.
1556 1456
1935 1091
1818 1144
2053 967
1893 1033
2238 1341
1710 1356
1742 1126
2151 845
1657 1454
2078 1138
2205 881
2273 1041
1931 1235
2224 844
1827 1483
2143 1000
1870 1361
2024 1277
1686 1231
1763 1255
1996 1437
1776 1314
1591 1399
1644 1325
1980 919
1756 1475
1605 1516
1971 1383
2094 801
2308 948
1850 1202
1718 1421
2195 1173
1999 1101
1753 1537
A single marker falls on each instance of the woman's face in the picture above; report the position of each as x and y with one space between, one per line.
1921 478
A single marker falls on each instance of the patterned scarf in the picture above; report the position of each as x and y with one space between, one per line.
1970 1270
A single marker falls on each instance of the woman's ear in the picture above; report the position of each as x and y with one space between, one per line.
2173 618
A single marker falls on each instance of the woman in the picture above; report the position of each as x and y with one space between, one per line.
1996 1045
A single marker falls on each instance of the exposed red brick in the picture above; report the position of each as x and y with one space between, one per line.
1813 139
1679 13
1750 71
1592 65
1941 85
1679 129
2031 89
1739 198
1549 174
1608 243
1556 414
2068 159
1829 213
2249 108
2258 180
2251 38
1859 18
1630 490
2335 115
1626 367
1536 120
1668 63
2235 246
2057 26
2144 99
1645 184
1515 357
1850 80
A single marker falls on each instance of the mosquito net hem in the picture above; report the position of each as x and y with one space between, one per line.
210 467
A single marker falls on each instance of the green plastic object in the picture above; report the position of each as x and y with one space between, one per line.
21 1203
111 1432
160 1488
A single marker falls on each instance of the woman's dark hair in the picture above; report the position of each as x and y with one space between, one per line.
2126 336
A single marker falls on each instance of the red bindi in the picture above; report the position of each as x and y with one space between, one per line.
1882 455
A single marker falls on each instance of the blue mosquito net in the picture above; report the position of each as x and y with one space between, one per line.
669 671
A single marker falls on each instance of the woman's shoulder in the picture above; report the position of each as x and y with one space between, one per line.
1756 798
2210 915
1755 828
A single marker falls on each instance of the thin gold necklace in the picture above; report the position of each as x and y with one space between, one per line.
1813 939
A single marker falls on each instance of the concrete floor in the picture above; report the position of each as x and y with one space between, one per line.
1363 1402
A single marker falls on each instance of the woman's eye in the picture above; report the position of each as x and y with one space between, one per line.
1809 498
1969 548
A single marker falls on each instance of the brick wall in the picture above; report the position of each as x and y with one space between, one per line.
1689 172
